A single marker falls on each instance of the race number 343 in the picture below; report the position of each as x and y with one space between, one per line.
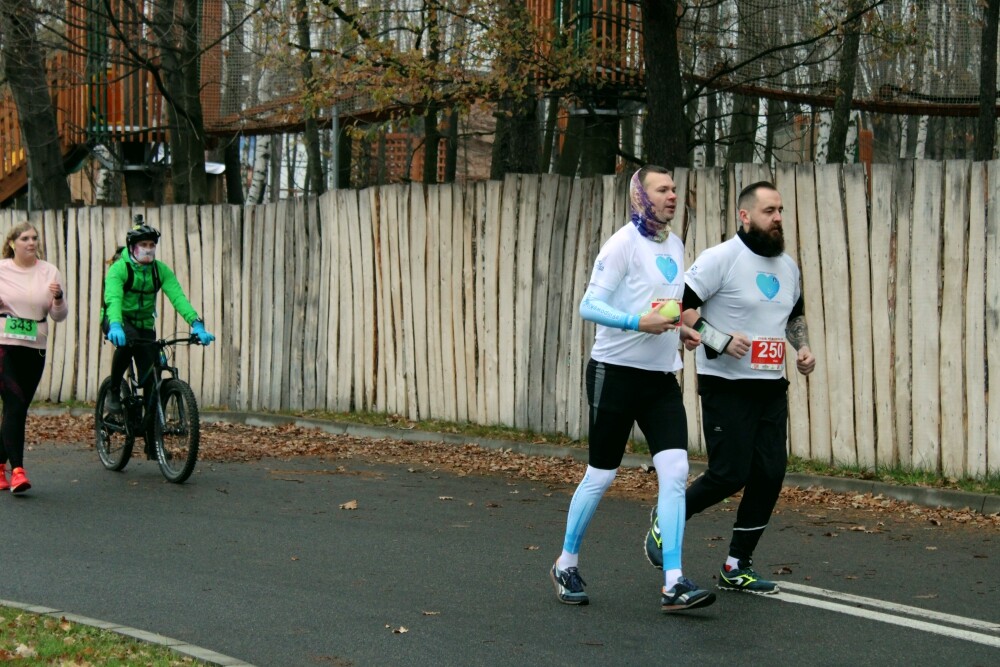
767 354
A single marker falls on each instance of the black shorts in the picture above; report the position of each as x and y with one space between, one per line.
620 396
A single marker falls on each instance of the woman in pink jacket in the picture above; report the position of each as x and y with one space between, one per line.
31 290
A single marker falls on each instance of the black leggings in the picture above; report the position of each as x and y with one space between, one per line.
621 396
20 371
145 357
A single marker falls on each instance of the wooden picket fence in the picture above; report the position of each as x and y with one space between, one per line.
459 302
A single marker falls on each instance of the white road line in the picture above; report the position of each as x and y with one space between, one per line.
973 623
955 633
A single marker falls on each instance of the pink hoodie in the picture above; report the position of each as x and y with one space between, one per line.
24 293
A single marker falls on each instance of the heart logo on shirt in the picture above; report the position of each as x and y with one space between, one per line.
768 284
668 267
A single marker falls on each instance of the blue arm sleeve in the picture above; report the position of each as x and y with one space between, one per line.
596 309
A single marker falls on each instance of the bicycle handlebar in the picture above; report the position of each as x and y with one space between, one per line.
188 339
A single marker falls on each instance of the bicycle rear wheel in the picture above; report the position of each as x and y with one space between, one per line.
114 444
177 431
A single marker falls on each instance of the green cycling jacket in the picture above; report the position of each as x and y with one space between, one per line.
137 306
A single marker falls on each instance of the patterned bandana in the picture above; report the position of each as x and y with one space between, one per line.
143 255
642 212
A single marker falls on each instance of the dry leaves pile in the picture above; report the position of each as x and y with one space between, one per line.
235 443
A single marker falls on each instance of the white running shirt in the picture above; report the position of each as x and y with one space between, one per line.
750 294
639 273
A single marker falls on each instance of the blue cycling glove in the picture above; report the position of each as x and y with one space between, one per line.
116 334
198 329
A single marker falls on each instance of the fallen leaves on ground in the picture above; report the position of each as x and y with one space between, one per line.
240 443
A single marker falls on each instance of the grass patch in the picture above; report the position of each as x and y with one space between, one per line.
439 426
898 475
38 639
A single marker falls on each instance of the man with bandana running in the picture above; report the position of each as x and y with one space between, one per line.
749 294
631 380
129 309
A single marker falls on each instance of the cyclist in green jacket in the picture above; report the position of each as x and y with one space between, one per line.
129 309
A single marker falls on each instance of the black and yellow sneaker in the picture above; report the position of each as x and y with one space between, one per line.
744 579
654 542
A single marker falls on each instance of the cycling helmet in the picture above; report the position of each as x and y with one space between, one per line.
141 232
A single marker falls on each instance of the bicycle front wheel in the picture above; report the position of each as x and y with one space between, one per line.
177 431
113 441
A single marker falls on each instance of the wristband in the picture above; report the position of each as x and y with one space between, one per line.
711 337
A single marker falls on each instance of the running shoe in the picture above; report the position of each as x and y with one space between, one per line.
744 579
4 483
569 585
654 541
685 594
19 481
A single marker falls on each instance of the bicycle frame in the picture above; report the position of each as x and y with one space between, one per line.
138 414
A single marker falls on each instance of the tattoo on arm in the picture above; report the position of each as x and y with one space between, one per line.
797 332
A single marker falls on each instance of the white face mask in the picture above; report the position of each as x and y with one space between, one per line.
144 255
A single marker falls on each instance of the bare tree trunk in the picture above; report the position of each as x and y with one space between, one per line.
822 137
746 110
845 85
233 93
451 148
600 144
569 157
24 67
175 24
665 132
234 180
432 133
986 131
261 160
315 182
432 142
516 143
775 119
548 142
277 151
743 131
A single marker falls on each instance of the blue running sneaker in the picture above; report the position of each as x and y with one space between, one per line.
654 542
744 579
685 594
569 585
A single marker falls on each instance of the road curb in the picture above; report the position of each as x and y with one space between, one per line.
176 645
927 497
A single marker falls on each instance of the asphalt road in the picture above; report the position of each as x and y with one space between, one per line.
258 561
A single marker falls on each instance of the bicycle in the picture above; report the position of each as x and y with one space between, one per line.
172 431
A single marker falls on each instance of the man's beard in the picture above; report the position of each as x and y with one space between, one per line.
768 244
